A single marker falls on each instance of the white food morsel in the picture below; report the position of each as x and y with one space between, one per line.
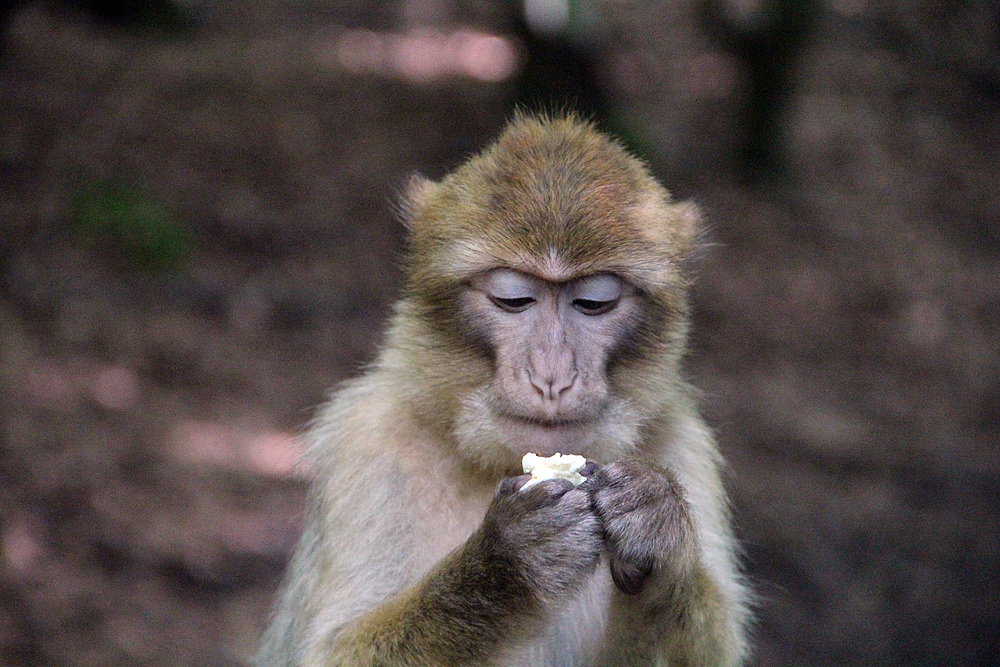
557 466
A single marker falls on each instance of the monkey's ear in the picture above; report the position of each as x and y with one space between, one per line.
418 188
674 226
687 223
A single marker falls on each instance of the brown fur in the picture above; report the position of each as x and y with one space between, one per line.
409 558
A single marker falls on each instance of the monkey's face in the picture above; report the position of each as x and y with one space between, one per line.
551 343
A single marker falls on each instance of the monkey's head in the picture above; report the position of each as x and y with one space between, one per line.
545 307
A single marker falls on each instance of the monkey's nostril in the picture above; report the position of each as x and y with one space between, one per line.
567 386
540 386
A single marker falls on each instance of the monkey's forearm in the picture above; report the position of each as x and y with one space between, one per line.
459 614
709 630
689 623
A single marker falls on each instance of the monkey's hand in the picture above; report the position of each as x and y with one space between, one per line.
549 533
648 531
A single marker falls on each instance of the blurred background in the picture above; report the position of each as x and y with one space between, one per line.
198 239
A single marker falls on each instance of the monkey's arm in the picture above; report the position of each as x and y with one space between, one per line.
530 549
678 599
695 625
459 614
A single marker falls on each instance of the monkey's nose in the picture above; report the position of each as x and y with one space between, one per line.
552 388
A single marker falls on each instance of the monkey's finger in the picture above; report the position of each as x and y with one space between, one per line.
547 492
589 471
616 474
577 502
613 503
629 576
511 485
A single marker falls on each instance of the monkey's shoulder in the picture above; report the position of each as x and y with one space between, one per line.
369 451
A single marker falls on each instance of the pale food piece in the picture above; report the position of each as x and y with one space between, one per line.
557 466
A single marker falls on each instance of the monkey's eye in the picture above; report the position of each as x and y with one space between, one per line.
597 294
515 305
591 307
509 290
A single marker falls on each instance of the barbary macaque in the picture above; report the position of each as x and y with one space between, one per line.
545 310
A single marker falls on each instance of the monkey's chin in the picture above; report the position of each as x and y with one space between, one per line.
497 441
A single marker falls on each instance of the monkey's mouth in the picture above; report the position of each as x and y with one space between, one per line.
548 435
547 423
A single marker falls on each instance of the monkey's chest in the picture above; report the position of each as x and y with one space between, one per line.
574 633
441 519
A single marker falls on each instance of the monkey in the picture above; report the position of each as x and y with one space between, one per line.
545 309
